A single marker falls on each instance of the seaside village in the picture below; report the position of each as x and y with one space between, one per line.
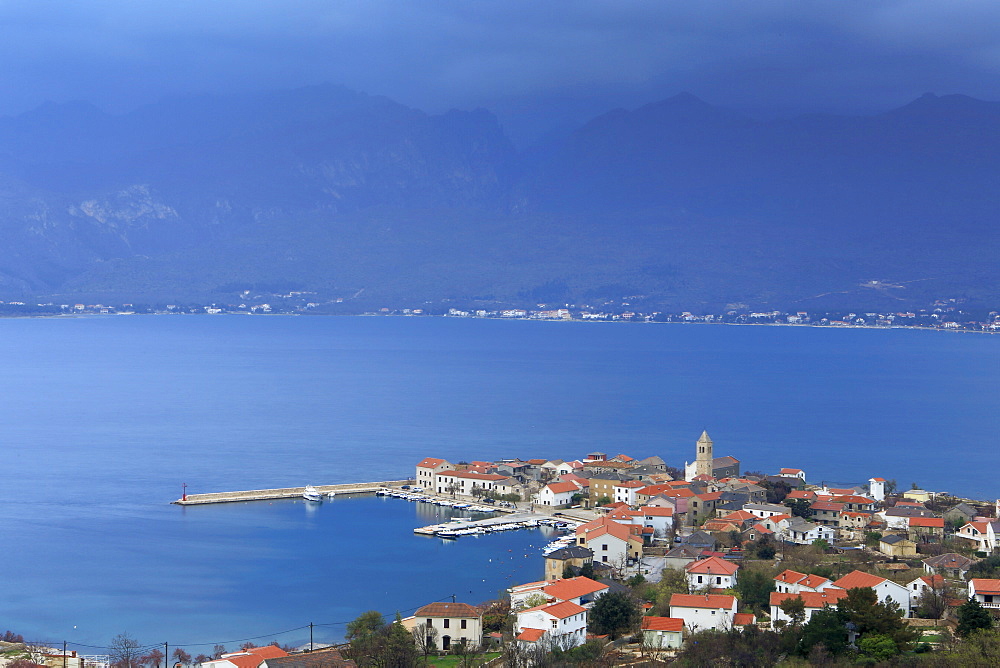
711 548
651 565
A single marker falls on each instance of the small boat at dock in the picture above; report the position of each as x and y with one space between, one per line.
310 493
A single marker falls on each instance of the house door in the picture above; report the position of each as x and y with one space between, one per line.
446 643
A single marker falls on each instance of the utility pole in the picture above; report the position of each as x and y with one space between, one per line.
64 654
166 655
310 636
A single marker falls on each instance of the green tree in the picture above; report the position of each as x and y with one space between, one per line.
366 623
972 617
672 581
398 649
878 646
799 507
825 628
795 608
604 500
587 570
754 587
861 606
615 614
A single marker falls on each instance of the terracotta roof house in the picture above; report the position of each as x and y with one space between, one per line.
793 582
329 657
453 622
713 572
704 611
813 600
662 632
248 658
986 591
564 622
885 589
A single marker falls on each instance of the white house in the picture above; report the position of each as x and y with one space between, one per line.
557 494
704 611
986 591
813 601
612 543
711 573
797 530
625 491
427 468
983 534
765 510
662 632
793 473
564 623
452 623
884 589
793 582
923 584
579 590
660 520
876 488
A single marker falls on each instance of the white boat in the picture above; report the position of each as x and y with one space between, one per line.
310 493
331 495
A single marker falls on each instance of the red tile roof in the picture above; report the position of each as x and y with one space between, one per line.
986 585
448 610
530 635
931 522
856 579
827 505
563 487
702 601
654 511
430 462
662 624
268 652
569 588
743 619
712 566
789 576
560 610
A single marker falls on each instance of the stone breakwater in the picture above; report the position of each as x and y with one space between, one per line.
287 492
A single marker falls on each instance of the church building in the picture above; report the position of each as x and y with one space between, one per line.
708 465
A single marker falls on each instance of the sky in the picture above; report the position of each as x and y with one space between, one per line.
536 63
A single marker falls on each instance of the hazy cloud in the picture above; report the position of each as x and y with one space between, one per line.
766 55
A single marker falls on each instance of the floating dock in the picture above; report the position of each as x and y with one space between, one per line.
349 489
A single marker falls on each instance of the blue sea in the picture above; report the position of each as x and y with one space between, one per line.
104 418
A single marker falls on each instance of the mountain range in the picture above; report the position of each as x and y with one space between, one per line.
678 204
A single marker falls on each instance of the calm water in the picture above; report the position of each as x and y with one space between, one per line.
103 419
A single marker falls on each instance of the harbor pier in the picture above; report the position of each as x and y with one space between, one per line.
348 489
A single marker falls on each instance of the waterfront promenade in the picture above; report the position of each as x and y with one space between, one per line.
347 489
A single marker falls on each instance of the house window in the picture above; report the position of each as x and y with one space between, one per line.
430 622
699 579
463 623
447 623
604 547
718 581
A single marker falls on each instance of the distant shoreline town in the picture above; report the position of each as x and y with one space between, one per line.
945 315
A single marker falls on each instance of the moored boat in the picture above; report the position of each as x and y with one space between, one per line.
310 493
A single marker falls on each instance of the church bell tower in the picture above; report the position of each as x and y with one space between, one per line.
703 462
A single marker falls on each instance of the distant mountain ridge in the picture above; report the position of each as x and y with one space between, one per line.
678 203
